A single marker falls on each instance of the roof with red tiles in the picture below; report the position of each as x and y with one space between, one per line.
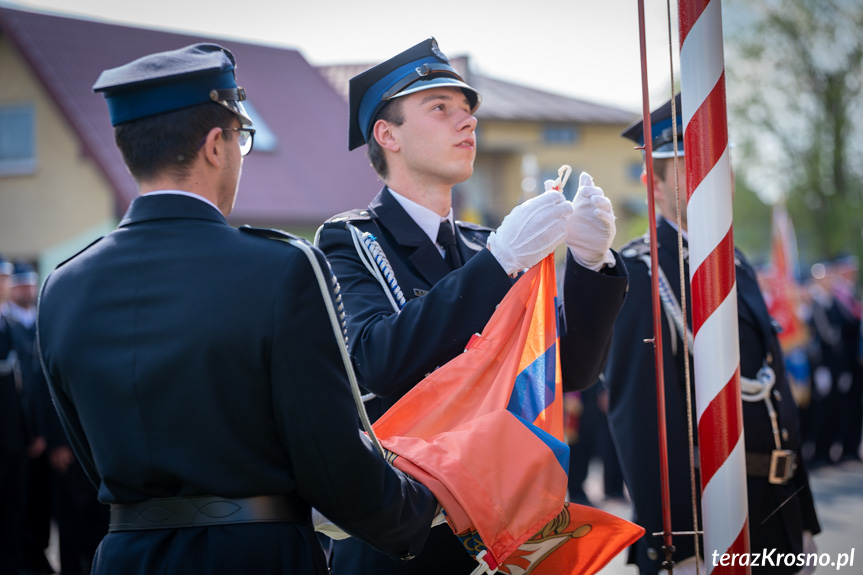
308 177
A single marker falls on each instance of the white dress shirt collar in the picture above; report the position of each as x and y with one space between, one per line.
182 193
426 219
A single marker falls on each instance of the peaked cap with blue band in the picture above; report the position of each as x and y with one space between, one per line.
661 127
420 67
168 81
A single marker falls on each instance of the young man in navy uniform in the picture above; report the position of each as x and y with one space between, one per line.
210 423
434 281
781 508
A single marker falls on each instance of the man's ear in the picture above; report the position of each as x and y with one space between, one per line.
383 132
212 148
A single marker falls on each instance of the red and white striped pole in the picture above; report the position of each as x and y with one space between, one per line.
716 349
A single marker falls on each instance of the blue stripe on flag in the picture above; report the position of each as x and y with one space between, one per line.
533 389
557 447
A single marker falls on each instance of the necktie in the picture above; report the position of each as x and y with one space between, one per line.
446 238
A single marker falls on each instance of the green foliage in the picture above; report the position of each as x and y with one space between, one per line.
794 83
752 223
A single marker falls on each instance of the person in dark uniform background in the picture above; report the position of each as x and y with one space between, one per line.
58 488
210 423
781 509
20 312
594 442
436 280
14 441
837 395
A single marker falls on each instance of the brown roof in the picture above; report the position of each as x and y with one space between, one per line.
309 177
503 100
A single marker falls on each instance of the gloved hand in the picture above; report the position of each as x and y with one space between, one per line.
530 232
590 229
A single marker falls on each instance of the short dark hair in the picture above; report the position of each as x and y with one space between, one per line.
394 114
168 143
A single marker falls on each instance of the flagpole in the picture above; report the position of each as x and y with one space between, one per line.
716 349
667 547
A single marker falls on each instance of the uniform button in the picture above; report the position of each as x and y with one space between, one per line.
776 395
628 253
406 557
784 434
652 554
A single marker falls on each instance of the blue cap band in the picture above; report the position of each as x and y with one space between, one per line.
373 101
128 105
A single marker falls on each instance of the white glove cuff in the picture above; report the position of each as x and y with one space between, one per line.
607 259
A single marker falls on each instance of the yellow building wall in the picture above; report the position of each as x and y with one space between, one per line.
597 149
65 202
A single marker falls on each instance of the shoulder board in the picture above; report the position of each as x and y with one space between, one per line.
90 245
353 215
636 248
472 226
270 233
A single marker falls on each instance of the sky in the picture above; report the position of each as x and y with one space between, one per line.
587 49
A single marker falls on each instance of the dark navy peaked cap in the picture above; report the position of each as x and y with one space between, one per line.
24 274
420 67
168 81
661 127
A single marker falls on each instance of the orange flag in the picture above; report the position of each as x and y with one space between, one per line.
484 434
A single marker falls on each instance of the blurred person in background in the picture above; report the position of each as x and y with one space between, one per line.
781 511
14 441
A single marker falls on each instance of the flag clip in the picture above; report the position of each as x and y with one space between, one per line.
483 567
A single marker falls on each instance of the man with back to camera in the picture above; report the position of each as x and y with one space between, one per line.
781 510
210 423
443 278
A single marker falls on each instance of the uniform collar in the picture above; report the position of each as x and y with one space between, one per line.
428 220
424 254
159 206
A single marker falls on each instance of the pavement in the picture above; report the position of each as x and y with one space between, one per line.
838 493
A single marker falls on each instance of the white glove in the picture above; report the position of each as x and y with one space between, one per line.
530 232
327 527
590 229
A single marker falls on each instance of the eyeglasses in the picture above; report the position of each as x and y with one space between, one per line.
245 137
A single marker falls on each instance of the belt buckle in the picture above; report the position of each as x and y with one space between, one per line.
782 466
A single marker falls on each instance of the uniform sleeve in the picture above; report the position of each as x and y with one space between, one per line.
66 411
336 471
392 351
591 303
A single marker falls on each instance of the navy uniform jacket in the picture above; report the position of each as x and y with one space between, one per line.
189 358
630 378
392 351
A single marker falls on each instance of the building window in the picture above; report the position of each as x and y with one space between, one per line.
559 134
265 138
17 140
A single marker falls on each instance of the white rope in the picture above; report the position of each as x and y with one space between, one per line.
751 390
337 331
378 265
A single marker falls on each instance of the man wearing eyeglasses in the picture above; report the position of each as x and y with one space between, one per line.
190 407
